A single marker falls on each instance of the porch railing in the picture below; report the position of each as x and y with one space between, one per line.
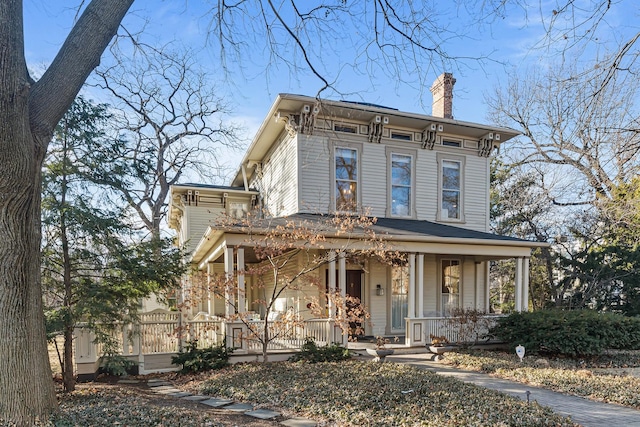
419 330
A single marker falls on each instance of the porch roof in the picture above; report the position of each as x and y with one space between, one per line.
411 232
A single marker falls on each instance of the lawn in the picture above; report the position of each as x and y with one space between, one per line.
612 377
353 393
360 393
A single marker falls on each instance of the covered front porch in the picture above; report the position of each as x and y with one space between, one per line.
442 268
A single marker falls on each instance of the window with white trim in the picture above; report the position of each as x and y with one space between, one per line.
451 189
401 179
346 174
450 285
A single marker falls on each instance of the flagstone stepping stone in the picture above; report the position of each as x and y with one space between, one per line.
217 403
163 387
299 422
168 391
129 381
159 384
156 380
179 394
196 397
263 414
239 407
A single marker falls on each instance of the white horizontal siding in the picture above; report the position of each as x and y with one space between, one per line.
279 181
426 185
476 193
373 178
315 174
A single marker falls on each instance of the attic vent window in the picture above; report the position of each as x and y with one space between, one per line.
343 127
448 143
401 136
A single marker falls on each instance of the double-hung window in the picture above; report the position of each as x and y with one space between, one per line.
451 189
451 178
401 166
346 173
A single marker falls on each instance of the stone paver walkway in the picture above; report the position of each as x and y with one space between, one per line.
588 413
161 386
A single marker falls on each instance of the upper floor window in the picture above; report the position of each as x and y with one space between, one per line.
401 168
450 189
346 169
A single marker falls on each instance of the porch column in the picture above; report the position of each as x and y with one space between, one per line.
487 281
210 301
479 296
331 277
228 286
342 282
342 276
518 285
412 287
241 287
420 285
525 284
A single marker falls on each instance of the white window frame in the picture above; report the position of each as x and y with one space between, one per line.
402 270
413 154
442 308
357 147
441 158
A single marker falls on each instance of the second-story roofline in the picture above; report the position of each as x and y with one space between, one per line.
358 112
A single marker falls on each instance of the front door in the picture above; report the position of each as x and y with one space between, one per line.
354 304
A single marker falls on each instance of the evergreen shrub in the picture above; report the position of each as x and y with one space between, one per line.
571 333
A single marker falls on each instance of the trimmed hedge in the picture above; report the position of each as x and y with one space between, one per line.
571 333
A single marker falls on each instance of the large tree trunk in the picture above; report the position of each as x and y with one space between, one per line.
29 112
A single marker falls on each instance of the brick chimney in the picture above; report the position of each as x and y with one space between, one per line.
442 91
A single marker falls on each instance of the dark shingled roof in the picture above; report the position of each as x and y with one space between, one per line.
410 227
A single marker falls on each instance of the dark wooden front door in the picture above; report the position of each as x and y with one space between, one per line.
354 290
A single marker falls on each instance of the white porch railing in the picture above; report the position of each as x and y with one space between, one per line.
162 333
419 330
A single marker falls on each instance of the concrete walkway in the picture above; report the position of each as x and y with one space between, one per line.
588 413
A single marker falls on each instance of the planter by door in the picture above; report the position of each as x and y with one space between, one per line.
380 354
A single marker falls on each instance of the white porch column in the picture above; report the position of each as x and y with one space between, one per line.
525 284
229 285
331 277
342 275
210 298
342 282
518 285
479 296
420 285
241 288
487 280
412 287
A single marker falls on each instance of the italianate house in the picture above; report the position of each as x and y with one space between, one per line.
425 178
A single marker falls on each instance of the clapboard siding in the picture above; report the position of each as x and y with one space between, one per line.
315 174
373 180
431 291
279 181
475 193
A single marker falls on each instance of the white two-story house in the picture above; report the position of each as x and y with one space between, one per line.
424 177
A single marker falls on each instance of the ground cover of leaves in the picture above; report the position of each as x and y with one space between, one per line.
370 394
97 405
606 378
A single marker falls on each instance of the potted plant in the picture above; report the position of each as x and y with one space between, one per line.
439 345
381 351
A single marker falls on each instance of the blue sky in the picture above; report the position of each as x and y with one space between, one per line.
505 41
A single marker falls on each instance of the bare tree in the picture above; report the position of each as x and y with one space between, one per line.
583 136
171 123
